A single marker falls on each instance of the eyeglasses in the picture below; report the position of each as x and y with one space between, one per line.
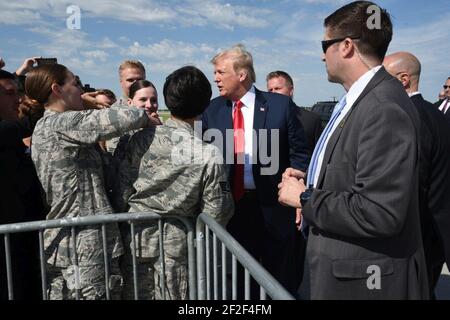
445 87
327 43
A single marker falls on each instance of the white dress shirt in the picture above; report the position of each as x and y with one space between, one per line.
445 105
352 95
248 111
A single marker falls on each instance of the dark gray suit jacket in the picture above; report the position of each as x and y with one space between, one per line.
434 187
364 213
437 104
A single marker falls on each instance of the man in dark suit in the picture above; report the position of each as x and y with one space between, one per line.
20 196
361 204
444 104
260 124
281 82
434 166
445 96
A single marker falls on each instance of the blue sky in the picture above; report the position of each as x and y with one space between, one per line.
166 35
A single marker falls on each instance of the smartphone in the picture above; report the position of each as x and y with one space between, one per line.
42 61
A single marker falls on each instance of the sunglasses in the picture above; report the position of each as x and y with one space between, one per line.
445 87
327 43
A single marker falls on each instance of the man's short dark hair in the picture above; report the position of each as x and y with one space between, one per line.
352 20
6 75
187 92
282 74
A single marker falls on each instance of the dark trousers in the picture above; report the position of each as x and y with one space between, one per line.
434 273
271 237
25 267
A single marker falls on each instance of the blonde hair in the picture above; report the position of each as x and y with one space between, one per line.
242 59
131 64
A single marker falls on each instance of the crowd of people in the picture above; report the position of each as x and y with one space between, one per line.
356 210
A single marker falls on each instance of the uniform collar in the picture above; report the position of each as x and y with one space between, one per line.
179 124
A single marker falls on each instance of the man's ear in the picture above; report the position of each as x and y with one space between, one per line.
291 92
243 74
405 79
129 102
348 48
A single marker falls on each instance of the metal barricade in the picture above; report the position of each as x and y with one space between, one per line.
99 220
208 289
200 285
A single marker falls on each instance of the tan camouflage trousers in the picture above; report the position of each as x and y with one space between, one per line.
62 283
149 282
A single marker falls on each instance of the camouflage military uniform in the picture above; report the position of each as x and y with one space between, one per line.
170 171
69 166
115 150
111 144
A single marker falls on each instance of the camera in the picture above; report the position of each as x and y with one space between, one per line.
42 61
87 88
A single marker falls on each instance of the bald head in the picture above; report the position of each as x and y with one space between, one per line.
406 68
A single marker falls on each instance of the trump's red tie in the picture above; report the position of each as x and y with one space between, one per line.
239 149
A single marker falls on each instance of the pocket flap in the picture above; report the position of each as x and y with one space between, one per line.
361 269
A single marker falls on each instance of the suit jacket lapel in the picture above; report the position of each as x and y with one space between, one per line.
228 115
379 76
261 108
259 122
226 123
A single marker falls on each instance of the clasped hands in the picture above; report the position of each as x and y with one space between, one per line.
289 190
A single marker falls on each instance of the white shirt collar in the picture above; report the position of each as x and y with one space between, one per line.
413 94
358 87
249 98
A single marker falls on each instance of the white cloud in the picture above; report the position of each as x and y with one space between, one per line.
203 12
11 17
107 43
95 54
63 43
130 10
124 39
168 50
178 14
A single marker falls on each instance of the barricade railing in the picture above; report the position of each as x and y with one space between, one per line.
208 289
200 285
99 220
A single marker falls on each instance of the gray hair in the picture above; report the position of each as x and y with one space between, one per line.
242 59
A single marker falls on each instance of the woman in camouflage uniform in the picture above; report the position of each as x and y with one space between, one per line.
143 95
66 154
169 170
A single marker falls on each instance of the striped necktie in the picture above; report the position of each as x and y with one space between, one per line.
323 138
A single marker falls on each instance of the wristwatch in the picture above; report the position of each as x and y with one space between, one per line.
305 195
